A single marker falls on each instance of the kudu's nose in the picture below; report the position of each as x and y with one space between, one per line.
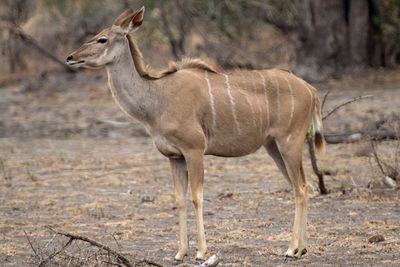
69 58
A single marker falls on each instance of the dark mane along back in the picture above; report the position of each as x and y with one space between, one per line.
173 67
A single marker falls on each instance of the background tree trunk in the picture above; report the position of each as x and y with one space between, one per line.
333 36
175 25
13 11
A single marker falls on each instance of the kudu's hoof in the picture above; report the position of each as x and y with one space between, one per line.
303 252
296 256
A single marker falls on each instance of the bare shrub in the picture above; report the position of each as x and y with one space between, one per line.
388 161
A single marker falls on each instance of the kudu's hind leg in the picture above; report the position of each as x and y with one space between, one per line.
273 151
291 155
179 175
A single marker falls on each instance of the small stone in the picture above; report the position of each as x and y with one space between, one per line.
376 238
389 182
211 262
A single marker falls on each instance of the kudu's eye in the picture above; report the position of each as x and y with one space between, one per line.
102 40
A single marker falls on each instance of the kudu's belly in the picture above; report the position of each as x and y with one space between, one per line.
235 145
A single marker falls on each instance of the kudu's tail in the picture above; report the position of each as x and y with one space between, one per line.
319 139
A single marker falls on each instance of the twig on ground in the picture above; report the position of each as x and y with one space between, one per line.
116 241
50 241
103 250
30 244
389 168
121 258
43 262
377 159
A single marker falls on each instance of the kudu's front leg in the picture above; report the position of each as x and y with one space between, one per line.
194 160
179 175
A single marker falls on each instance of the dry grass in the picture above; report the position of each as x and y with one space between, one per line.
97 190
111 184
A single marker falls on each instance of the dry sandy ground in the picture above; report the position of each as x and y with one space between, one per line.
64 169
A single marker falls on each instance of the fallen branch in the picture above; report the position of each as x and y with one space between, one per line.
119 257
376 135
333 138
92 254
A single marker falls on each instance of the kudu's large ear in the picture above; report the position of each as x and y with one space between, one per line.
133 21
123 16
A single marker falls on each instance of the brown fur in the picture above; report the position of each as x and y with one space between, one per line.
191 110
147 73
319 141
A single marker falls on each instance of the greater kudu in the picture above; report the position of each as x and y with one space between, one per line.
192 110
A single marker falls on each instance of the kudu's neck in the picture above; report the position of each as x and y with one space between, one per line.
135 95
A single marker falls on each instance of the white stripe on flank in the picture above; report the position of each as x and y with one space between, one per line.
260 110
232 100
278 104
212 103
251 107
253 114
292 99
265 94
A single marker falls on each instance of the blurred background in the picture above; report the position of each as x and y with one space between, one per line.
317 39
348 44
71 159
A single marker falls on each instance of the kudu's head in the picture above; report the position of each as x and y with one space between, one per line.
108 44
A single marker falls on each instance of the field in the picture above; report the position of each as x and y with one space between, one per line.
64 166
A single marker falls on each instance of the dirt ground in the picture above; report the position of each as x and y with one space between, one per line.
64 166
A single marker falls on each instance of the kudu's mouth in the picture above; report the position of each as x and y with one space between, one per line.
76 63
